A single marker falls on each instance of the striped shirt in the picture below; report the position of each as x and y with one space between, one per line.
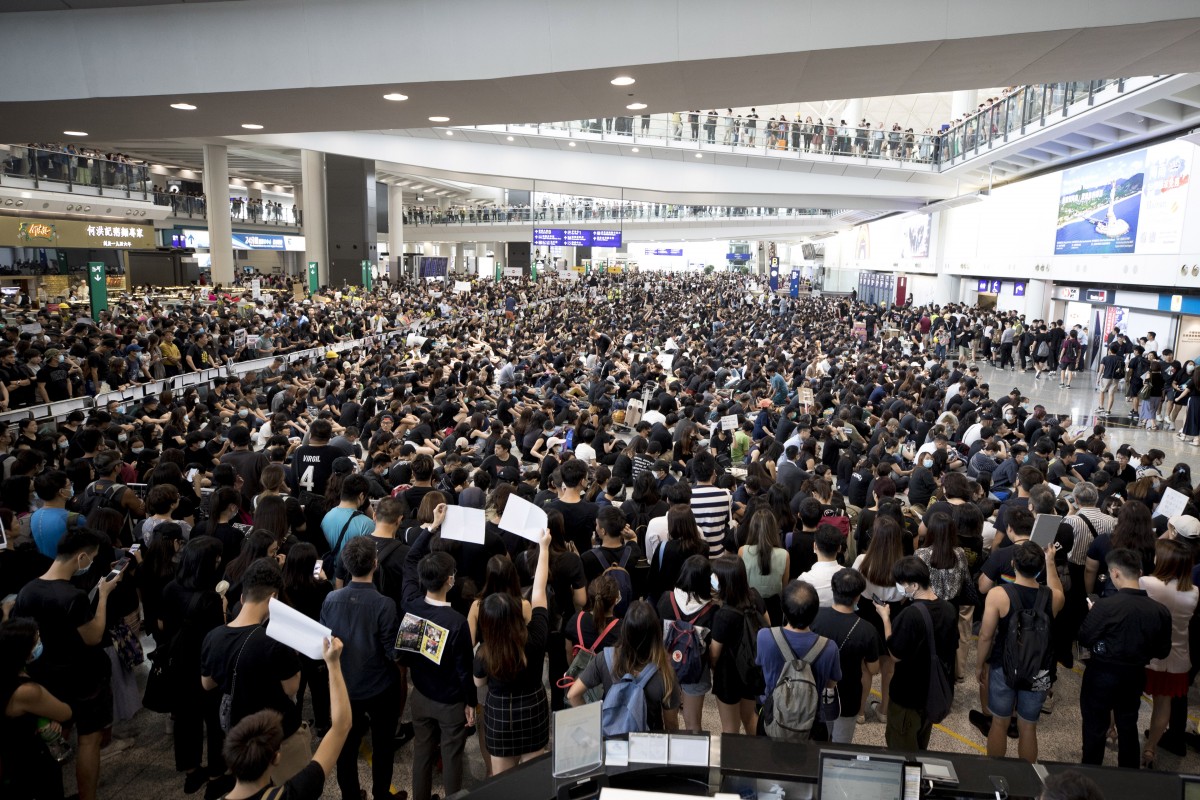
711 507
1103 523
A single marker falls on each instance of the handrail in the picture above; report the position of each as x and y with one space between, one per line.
828 140
240 210
587 209
58 169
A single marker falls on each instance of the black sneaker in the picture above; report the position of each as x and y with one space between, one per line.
981 721
1013 733
194 781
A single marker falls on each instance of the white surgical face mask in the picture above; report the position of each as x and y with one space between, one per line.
900 588
927 463
716 585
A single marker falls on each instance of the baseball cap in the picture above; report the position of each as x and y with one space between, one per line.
1185 525
342 465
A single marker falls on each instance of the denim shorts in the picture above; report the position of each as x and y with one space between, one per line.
1002 699
700 687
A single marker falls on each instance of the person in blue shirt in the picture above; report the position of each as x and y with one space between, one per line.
779 387
50 522
345 521
800 607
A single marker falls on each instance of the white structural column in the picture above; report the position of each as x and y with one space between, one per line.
395 232
963 102
853 112
220 229
312 186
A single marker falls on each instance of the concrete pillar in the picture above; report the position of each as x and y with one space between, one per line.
395 232
853 111
312 184
963 102
220 228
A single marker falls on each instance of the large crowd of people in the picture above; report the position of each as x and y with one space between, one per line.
784 497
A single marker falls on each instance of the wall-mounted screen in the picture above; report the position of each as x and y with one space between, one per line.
572 237
433 266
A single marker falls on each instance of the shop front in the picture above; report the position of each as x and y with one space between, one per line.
46 257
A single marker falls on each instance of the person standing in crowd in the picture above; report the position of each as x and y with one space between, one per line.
366 622
1123 633
859 649
256 671
1003 613
928 624
73 666
443 696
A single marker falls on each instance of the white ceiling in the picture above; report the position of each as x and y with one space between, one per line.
11 6
528 60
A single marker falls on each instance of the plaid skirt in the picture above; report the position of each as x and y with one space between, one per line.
516 724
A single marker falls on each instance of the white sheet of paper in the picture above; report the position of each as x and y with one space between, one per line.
462 286
523 518
729 422
665 360
304 635
1055 488
464 524
616 753
1172 504
689 751
415 341
648 748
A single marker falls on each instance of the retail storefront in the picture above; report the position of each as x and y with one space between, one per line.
49 251
269 253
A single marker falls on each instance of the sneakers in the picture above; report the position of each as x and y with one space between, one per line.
876 709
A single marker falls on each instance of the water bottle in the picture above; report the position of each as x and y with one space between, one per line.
60 748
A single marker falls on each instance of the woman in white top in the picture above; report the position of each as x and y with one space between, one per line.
875 565
1171 585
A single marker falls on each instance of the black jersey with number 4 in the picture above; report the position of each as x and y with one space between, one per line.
312 466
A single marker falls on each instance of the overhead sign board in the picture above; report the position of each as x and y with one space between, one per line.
51 232
573 237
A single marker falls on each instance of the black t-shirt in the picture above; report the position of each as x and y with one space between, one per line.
68 667
909 643
56 381
594 565
857 641
312 466
199 356
528 679
262 667
579 521
583 623
307 784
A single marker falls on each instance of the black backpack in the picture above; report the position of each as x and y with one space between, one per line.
745 660
1027 650
95 496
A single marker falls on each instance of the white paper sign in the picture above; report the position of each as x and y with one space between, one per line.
729 422
523 518
806 396
1054 487
301 633
666 359
648 748
616 753
464 524
462 286
416 341
1172 504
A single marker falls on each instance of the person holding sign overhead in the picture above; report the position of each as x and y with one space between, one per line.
509 664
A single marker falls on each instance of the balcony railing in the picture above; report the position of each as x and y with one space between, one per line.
1017 113
64 171
587 210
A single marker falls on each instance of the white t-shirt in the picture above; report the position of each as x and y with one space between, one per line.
821 578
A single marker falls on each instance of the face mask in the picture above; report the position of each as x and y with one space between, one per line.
121 437
243 412
63 445
137 449
1190 367
120 409
900 588
82 571
70 490
1009 417
716 585
1025 458
37 651
927 463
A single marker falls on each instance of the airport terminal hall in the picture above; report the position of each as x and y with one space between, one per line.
453 400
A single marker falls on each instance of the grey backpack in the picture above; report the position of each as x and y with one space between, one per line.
794 704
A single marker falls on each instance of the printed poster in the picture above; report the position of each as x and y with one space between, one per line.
419 635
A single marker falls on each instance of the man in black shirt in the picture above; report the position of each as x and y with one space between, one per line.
579 515
250 750
53 381
858 644
1123 632
500 458
443 697
18 380
256 671
312 463
196 357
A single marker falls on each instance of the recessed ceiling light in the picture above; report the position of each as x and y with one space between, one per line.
636 106
74 133
251 126
439 119
395 97
623 80
635 149
449 133
510 138
570 144
183 106
699 155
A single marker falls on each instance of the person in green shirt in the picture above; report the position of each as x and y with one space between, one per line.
741 443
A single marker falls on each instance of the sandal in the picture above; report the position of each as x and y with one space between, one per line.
1148 759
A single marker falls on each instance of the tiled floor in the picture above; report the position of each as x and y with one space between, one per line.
145 769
